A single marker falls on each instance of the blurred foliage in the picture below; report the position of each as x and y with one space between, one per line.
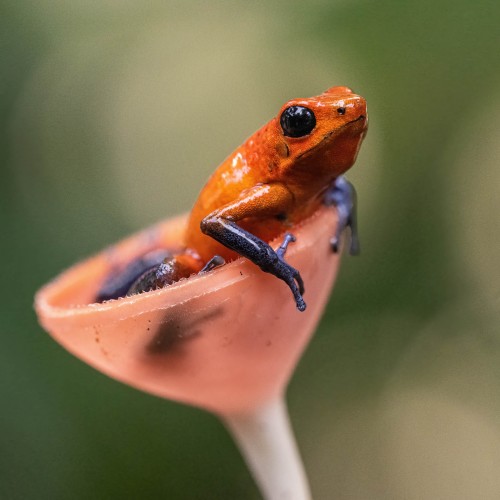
112 114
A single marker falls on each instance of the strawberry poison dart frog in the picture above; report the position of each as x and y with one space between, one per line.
274 180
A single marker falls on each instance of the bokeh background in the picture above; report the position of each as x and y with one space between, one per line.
113 114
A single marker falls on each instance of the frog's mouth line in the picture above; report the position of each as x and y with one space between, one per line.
328 136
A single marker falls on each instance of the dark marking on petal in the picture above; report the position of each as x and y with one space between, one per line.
178 328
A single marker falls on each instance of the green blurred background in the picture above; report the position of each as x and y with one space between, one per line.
113 114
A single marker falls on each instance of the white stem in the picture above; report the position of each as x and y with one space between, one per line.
267 443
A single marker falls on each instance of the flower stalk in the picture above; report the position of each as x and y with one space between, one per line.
266 441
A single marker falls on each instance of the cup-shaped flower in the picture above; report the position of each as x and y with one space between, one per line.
226 341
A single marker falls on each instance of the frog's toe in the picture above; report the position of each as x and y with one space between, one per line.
215 261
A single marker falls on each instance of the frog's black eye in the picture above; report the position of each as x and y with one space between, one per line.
297 121
341 111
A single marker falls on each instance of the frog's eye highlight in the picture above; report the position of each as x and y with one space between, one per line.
297 121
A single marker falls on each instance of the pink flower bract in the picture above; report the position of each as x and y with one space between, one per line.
227 341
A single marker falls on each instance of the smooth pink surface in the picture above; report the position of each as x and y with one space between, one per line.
227 341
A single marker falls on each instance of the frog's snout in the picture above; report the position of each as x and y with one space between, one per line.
356 108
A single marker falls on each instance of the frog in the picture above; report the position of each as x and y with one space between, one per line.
271 183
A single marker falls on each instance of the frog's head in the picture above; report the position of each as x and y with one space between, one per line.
322 134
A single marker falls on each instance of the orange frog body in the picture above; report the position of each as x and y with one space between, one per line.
275 179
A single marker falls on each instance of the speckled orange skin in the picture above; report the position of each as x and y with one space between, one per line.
272 181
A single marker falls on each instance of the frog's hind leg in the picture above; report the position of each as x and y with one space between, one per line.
170 270
342 195
119 282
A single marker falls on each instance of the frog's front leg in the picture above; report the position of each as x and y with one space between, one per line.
259 252
261 201
342 195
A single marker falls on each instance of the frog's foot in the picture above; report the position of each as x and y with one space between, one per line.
172 269
289 274
215 261
343 196
118 283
